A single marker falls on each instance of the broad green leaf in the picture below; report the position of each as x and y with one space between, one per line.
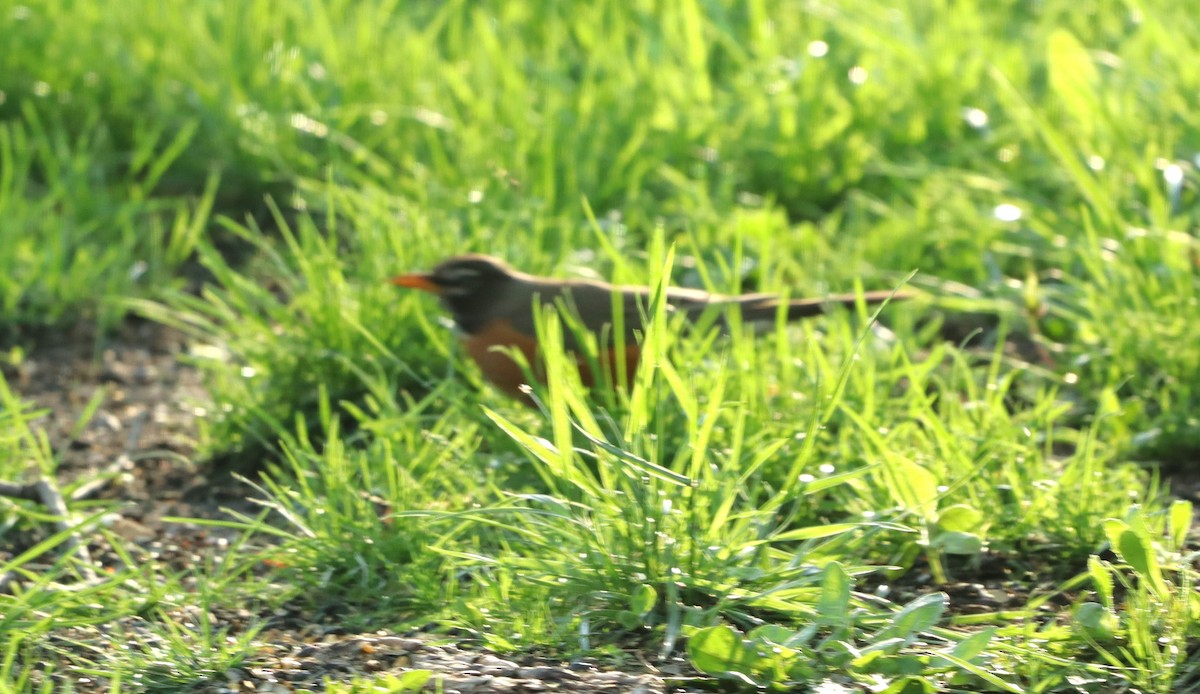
774 638
974 644
1097 620
643 600
913 487
1113 528
772 633
1140 555
719 650
918 615
899 665
961 518
834 604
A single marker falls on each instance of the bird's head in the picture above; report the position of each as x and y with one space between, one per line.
468 285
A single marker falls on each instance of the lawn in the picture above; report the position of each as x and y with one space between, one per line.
985 487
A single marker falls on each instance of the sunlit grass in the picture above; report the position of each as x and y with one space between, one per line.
1034 164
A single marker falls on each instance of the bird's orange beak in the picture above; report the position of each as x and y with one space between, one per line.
417 280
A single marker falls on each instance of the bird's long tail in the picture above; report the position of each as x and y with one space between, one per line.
767 309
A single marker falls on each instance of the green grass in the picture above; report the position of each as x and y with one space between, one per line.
252 174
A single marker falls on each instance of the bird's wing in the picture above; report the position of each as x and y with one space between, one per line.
594 306
591 305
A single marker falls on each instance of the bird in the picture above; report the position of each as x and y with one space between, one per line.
494 308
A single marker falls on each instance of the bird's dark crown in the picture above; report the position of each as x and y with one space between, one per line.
467 274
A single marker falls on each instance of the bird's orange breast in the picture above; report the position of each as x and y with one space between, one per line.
499 367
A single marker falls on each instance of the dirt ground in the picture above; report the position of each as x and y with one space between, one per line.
150 402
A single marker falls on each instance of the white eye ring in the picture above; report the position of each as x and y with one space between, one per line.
458 273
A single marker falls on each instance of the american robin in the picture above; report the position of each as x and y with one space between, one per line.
493 305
